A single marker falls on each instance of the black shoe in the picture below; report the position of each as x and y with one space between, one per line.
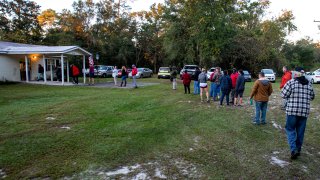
294 155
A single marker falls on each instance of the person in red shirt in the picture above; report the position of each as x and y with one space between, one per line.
234 76
186 81
134 72
287 75
75 73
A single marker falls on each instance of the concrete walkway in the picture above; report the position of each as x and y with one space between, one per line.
108 84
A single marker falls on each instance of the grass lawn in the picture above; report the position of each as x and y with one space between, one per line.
152 132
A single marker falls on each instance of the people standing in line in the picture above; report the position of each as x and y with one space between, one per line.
216 83
196 85
203 84
234 76
173 77
186 79
240 86
75 73
298 92
134 72
261 91
287 75
40 72
124 76
91 74
226 86
115 75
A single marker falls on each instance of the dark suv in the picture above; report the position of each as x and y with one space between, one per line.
190 69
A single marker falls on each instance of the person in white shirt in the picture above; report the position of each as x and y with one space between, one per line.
115 75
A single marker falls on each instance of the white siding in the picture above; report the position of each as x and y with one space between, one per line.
9 68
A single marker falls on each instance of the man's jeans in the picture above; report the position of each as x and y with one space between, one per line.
212 87
295 127
196 87
261 112
224 93
134 81
216 90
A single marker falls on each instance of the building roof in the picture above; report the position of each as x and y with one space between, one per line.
11 48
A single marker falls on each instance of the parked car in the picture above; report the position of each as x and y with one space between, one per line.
164 72
210 71
190 70
247 75
142 72
313 77
269 74
102 70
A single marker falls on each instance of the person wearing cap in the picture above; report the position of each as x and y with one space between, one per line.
134 72
203 84
234 77
298 93
261 91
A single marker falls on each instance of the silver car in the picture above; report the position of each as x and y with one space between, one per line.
142 72
102 70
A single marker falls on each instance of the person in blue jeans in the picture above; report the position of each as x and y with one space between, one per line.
226 86
215 83
196 84
298 93
261 91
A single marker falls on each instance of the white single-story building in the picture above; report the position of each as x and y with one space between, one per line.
19 62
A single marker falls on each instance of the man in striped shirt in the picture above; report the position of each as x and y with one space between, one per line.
298 92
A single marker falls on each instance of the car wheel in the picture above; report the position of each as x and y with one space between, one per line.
150 74
312 81
104 75
141 76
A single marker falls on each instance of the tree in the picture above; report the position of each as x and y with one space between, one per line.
19 21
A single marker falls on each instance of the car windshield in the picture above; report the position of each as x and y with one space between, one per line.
190 67
211 70
164 69
245 72
140 69
267 71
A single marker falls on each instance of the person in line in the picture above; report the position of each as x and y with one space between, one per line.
298 92
216 81
196 86
75 73
40 72
58 73
134 72
212 85
261 91
226 86
203 84
124 76
240 86
91 74
287 75
173 77
115 75
234 76
186 79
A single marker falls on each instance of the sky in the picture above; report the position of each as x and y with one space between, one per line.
305 12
